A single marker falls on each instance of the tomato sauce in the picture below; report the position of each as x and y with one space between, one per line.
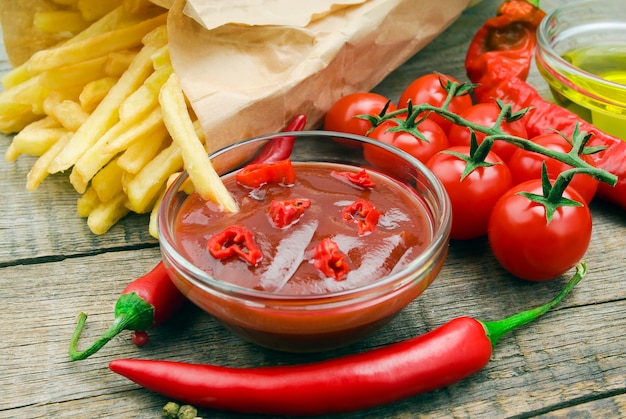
402 231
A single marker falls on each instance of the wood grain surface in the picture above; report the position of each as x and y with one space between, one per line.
571 363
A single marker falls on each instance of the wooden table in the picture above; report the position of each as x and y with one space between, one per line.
571 363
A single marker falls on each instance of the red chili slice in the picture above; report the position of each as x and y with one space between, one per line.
329 260
363 213
235 241
285 213
361 179
258 174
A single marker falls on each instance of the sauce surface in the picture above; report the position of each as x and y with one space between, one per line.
402 232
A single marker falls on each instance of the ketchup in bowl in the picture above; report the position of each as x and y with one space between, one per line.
329 255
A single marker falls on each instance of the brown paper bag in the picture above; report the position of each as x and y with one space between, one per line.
245 79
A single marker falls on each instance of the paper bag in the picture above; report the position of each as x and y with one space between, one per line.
245 78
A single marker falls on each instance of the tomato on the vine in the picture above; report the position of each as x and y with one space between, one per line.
486 114
474 196
526 165
342 114
530 247
430 89
422 149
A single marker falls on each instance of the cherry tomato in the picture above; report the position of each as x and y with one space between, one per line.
526 165
529 247
428 89
473 197
417 147
341 116
486 114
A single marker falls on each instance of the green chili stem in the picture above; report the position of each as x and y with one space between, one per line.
120 323
496 329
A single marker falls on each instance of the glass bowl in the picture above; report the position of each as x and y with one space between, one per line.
581 53
301 322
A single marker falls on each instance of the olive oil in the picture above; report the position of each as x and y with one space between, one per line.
600 100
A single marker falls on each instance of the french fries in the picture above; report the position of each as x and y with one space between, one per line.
106 107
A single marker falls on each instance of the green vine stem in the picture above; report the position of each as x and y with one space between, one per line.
494 133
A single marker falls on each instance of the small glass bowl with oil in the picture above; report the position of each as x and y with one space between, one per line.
581 52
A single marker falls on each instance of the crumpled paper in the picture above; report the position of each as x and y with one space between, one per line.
246 73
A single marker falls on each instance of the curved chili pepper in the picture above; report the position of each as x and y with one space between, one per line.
235 241
286 213
361 179
500 69
434 360
258 174
363 213
280 148
145 303
329 260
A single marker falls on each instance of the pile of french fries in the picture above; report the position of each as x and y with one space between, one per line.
106 107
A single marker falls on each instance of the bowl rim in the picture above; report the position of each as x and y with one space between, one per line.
544 47
440 231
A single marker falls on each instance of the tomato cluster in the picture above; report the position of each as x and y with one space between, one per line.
496 188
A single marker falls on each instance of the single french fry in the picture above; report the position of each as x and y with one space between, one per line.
141 151
59 21
95 9
161 57
197 163
36 142
117 62
93 93
144 188
17 75
137 6
69 113
78 74
106 114
87 202
106 214
145 97
157 38
39 171
153 228
12 153
108 181
97 46
113 142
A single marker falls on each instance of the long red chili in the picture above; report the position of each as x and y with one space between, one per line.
145 303
280 148
436 359
498 60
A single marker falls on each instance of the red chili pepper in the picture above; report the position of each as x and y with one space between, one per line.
145 303
361 179
363 213
255 175
505 44
286 213
280 148
501 70
329 260
235 241
434 360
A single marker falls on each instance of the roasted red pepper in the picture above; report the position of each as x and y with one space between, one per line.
436 359
329 260
258 174
505 44
500 67
235 241
363 213
286 213
361 179
280 148
145 303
